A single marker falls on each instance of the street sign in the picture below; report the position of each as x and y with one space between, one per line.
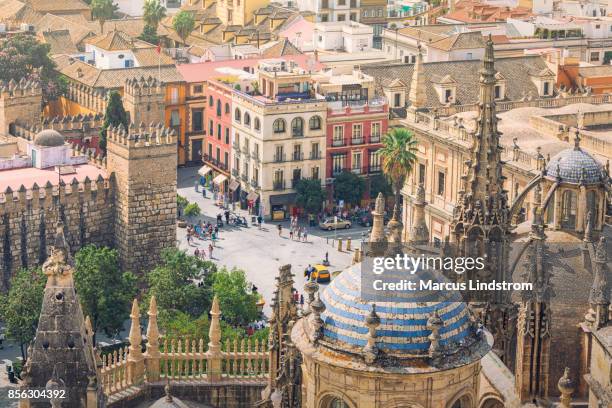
341 203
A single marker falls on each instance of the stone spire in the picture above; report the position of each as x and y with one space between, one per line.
372 322
152 354
419 233
434 323
566 388
484 201
135 357
214 345
62 342
599 297
418 85
533 338
394 237
378 220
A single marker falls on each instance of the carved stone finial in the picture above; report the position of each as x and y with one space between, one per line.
566 387
371 350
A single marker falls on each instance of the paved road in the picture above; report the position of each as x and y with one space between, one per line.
261 252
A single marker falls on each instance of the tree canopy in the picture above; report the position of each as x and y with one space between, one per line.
149 34
379 183
23 56
238 303
398 157
102 10
310 195
106 293
174 284
348 187
153 13
183 23
20 307
114 115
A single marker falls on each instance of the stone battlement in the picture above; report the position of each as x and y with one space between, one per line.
142 136
39 196
13 89
143 86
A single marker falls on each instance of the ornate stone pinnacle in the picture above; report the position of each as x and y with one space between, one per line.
577 139
566 387
379 206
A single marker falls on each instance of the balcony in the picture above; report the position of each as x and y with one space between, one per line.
235 173
375 139
255 156
294 183
217 164
357 140
297 156
338 142
279 158
316 155
375 169
236 147
244 178
278 185
356 170
337 171
254 184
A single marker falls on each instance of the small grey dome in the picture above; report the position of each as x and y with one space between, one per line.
168 401
574 166
49 138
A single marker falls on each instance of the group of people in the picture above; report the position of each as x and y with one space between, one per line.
202 231
255 326
201 253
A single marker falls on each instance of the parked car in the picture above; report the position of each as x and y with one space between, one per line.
365 219
332 223
320 273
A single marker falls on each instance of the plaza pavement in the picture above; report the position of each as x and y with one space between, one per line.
260 252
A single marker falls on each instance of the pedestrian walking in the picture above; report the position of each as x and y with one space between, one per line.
196 253
188 238
203 192
301 299
291 234
227 214
280 230
299 234
210 251
196 186
305 235
259 221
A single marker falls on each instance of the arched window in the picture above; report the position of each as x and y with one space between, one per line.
592 209
337 403
218 107
237 115
278 126
211 102
315 123
247 119
297 127
227 108
257 124
568 209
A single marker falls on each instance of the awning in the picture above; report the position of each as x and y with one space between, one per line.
252 196
204 170
233 186
282 199
220 179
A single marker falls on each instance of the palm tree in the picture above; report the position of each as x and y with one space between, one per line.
153 13
102 10
398 156
183 23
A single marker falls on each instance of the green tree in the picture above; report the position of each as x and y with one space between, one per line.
153 13
380 184
349 187
102 10
183 23
237 302
310 195
106 293
174 284
149 34
23 56
398 156
21 306
114 115
192 210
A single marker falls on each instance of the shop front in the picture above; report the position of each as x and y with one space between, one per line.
205 173
253 202
221 189
282 206
234 191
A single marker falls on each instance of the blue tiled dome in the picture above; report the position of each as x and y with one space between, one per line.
403 328
572 164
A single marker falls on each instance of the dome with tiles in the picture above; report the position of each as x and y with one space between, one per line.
49 138
575 166
404 319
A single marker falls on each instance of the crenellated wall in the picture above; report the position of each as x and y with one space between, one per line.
28 218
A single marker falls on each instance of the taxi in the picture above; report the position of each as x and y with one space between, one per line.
320 273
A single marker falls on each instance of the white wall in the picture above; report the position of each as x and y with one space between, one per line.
110 59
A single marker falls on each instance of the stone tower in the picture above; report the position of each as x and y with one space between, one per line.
534 316
481 224
19 101
144 99
143 160
62 354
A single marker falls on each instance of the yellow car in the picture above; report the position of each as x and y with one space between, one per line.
320 273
